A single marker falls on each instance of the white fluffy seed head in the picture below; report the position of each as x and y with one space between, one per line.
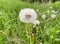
43 16
36 22
27 15
53 16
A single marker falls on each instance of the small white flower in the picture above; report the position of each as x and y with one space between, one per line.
43 16
51 7
53 16
53 11
36 22
27 15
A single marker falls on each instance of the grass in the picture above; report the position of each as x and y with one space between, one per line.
13 31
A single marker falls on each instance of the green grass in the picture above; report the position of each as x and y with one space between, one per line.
11 28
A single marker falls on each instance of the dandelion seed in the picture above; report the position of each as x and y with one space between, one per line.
27 15
53 16
43 16
36 22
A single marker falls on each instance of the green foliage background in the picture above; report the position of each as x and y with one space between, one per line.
12 30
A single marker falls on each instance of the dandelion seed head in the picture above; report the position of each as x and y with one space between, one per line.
43 16
27 15
53 16
36 22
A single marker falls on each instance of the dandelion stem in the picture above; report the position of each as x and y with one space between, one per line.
36 35
29 37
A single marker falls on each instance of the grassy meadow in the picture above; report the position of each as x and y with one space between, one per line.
13 31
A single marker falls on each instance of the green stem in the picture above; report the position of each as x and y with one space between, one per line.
28 31
37 35
42 30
